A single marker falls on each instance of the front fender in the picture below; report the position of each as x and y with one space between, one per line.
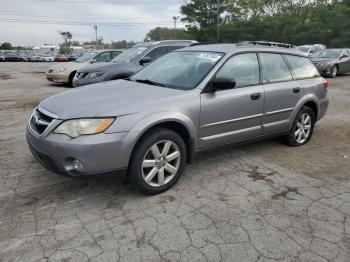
144 123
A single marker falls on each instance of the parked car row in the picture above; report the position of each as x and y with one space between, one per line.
11 56
195 98
329 62
105 65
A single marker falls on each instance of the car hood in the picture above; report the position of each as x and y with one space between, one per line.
102 67
319 60
113 98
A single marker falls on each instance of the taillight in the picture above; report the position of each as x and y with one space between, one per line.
325 83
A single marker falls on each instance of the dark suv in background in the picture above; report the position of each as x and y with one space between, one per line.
331 62
128 63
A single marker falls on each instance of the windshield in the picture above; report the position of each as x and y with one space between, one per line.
86 57
178 70
326 54
303 49
130 54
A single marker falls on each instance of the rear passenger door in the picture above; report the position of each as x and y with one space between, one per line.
282 93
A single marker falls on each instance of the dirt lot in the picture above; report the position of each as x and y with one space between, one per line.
259 202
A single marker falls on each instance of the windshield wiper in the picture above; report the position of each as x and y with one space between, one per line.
149 82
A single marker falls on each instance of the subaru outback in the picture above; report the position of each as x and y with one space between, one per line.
153 124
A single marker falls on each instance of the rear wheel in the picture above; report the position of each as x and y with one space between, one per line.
302 128
158 161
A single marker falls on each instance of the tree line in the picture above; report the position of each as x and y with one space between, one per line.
297 22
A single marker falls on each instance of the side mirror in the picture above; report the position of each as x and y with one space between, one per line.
93 61
223 83
145 60
343 56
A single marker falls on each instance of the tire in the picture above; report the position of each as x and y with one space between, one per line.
71 77
304 123
149 179
332 71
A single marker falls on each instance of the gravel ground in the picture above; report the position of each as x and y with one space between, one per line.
259 202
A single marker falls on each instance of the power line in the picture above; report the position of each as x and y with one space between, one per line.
106 3
56 15
35 21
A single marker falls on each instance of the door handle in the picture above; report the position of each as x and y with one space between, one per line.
255 96
296 90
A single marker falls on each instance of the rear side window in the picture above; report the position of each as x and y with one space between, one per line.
274 68
243 68
301 67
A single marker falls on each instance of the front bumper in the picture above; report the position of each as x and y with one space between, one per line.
57 78
99 154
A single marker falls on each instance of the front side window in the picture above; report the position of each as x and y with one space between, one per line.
344 53
86 57
157 52
178 70
301 67
243 68
103 57
274 68
131 54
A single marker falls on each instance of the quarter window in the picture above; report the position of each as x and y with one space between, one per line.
243 68
274 68
301 67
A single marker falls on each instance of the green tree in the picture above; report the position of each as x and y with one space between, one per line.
163 33
6 46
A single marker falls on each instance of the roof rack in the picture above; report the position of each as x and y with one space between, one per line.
265 43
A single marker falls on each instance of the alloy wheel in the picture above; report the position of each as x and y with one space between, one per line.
161 163
303 128
334 71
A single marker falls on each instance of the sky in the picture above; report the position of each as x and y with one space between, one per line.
37 22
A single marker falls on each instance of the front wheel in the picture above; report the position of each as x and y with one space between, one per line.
302 128
158 161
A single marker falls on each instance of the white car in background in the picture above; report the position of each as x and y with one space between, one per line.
47 58
311 49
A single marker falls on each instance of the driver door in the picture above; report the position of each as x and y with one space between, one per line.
236 114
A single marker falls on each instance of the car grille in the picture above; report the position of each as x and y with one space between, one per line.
39 122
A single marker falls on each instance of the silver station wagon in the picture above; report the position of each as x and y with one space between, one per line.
154 123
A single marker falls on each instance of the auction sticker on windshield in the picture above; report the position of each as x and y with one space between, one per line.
212 57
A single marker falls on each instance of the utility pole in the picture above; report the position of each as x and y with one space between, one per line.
95 28
175 18
218 21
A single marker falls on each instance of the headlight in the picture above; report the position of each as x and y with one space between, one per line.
88 126
58 70
94 74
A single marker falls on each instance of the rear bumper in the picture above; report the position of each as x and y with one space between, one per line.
324 104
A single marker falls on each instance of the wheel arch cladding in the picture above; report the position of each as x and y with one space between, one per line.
176 127
313 106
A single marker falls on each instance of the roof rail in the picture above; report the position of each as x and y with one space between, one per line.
200 43
265 43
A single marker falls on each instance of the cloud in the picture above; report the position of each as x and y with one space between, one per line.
130 21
